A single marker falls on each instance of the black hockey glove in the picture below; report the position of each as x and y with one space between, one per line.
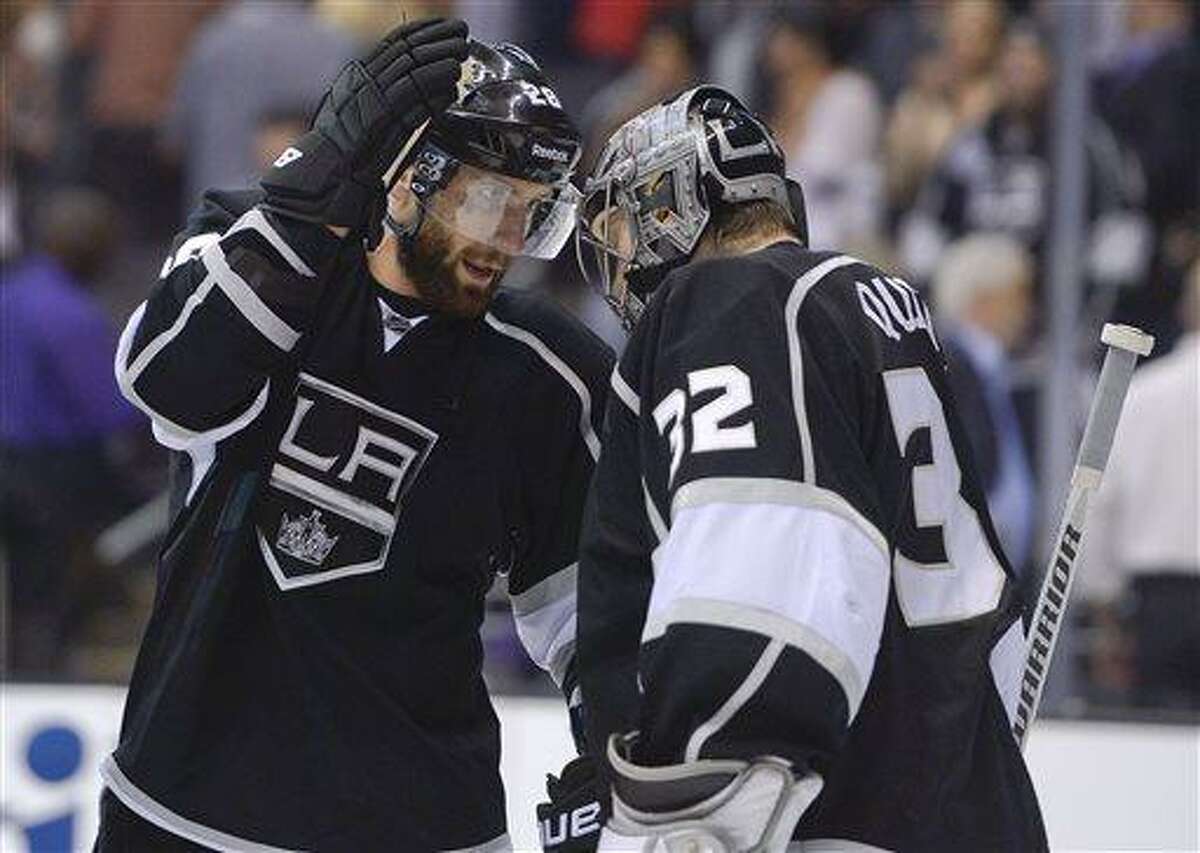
333 174
578 807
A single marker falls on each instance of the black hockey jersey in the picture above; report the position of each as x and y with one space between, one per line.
787 552
355 471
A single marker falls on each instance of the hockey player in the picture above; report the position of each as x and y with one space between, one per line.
791 597
369 432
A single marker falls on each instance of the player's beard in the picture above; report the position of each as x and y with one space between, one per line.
433 267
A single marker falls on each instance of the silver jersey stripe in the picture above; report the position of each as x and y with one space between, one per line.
356 509
562 369
767 490
151 810
169 433
656 520
624 393
708 611
255 220
737 700
557 586
247 302
128 374
791 313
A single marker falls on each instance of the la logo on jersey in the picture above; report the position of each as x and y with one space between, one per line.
339 477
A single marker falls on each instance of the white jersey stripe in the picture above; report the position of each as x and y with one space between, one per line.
562 369
767 490
800 573
791 313
247 302
169 433
656 520
558 585
254 220
156 813
624 393
736 701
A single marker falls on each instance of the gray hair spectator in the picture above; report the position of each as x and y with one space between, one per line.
1143 545
981 293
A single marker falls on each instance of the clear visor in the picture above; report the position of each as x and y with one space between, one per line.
511 215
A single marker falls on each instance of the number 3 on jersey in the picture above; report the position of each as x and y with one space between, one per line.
969 583
707 433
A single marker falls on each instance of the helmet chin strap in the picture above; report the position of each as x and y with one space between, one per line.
405 233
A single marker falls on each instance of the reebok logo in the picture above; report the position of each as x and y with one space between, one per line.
289 155
555 154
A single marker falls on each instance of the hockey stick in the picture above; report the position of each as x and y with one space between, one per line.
1125 344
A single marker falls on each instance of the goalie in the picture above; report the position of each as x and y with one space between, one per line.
791 596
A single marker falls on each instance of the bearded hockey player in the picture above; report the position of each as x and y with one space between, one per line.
369 431
793 610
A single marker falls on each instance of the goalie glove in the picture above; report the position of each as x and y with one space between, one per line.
707 805
334 173
571 821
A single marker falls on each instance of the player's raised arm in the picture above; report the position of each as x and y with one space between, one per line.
241 283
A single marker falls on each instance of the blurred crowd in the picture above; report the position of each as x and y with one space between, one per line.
923 134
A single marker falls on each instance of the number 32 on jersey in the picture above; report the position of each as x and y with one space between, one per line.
970 580
707 433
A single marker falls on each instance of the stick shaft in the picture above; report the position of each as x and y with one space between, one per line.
1115 376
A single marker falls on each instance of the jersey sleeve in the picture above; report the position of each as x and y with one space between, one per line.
621 528
558 445
234 297
771 580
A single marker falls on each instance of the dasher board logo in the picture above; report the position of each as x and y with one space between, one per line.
337 483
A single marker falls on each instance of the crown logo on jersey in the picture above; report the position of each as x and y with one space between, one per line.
305 538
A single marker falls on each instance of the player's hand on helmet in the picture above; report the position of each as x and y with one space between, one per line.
333 174
578 805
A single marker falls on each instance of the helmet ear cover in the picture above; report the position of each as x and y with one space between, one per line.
799 210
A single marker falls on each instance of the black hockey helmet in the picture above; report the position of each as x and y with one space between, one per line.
651 193
507 117
507 120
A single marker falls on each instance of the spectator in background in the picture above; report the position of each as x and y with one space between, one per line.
982 297
134 51
59 416
997 177
828 119
367 20
250 59
31 52
1144 536
669 57
1151 97
951 86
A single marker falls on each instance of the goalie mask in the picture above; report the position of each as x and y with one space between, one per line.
496 165
650 197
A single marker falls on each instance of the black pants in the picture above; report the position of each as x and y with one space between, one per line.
1167 631
122 831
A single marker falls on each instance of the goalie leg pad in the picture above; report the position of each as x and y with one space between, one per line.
706 806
